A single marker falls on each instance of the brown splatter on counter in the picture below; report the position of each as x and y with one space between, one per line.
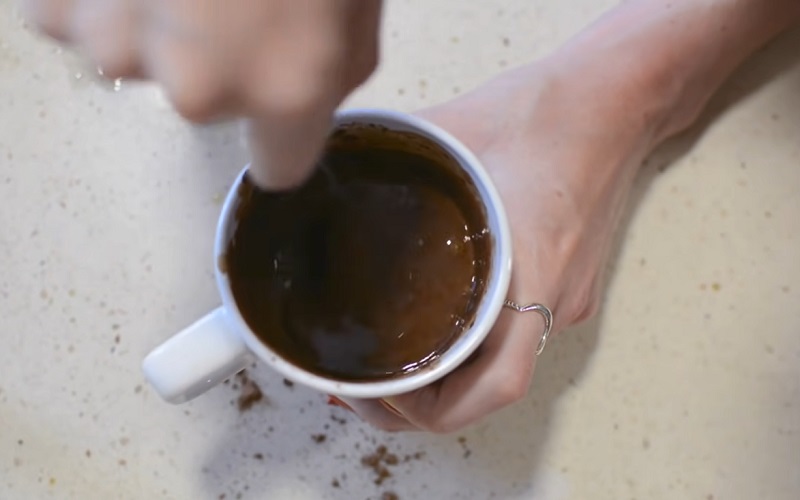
288 383
377 462
250 392
389 495
462 440
415 456
380 460
319 438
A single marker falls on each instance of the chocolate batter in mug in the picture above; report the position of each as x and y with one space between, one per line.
371 269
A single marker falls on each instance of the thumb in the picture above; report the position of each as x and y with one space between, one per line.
285 152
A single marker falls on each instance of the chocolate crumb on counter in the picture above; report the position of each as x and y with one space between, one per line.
416 456
288 383
462 440
319 438
379 461
250 392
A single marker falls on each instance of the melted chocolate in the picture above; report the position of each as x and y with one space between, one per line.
373 268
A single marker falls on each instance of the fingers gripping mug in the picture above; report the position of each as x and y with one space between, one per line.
305 290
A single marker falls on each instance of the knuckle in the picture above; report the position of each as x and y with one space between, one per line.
197 102
512 389
48 19
588 306
362 68
442 423
191 79
109 39
590 310
441 427
400 427
53 29
430 421
116 62
387 427
191 107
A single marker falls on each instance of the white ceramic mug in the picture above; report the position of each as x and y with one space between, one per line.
220 344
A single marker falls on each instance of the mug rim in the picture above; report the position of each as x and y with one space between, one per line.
488 310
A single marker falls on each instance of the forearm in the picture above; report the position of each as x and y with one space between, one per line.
670 56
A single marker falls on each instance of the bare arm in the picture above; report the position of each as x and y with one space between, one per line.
674 54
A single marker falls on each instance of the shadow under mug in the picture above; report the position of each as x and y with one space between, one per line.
220 344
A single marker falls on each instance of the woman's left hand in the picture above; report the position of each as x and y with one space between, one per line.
563 161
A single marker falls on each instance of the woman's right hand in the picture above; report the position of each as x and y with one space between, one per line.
284 64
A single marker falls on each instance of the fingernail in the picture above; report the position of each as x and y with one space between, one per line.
334 401
389 406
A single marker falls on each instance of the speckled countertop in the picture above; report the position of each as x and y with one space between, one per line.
687 386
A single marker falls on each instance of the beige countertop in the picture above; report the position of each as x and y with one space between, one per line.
686 387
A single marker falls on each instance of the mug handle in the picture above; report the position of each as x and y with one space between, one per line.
197 358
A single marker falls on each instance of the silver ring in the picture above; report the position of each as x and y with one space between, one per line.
539 308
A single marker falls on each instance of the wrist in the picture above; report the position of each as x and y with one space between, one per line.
610 89
595 135
665 58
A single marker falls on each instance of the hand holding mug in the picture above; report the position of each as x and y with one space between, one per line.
563 161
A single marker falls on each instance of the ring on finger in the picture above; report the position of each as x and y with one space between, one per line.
546 314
